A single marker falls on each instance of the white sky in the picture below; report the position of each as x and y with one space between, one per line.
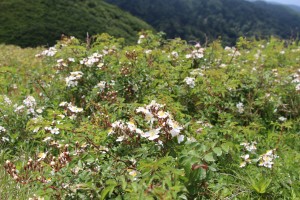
295 2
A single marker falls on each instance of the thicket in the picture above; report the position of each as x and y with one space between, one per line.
161 119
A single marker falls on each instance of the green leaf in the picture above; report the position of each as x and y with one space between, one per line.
225 147
209 157
217 151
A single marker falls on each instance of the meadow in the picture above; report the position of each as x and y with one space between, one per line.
159 119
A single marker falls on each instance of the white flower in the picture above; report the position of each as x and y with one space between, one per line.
152 134
120 139
266 160
175 127
190 81
47 139
30 102
36 129
2 129
52 130
5 139
154 105
132 127
63 104
72 80
298 87
243 164
250 147
140 39
246 160
71 59
240 107
282 119
148 51
40 110
42 156
49 52
141 110
180 138
197 72
19 109
162 115
188 56
92 60
101 85
7 100
149 117
74 109
174 54
198 45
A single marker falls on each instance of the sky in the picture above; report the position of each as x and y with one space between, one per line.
295 2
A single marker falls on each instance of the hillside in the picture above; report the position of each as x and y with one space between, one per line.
229 19
295 8
41 22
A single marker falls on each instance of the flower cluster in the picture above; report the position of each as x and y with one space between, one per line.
2 129
48 52
197 53
264 160
72 80
52 130
61 63
29 105
70 109
246 160
141 39
190 82
197 72
92 60
250 147
240 107
29 102
296 79
101 85
162 127
232 51
166 127
19 109
125 130
6 100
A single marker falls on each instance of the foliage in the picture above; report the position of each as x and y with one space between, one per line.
211 19
42 22
160 119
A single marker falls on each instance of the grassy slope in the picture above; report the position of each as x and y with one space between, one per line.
196 19
41 22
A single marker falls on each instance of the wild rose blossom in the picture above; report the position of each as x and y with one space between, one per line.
190 82
72 80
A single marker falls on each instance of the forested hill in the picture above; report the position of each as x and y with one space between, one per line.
198 19
41 22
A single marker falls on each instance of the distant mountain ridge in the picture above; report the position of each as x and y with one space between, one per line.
200 19
291 6
41 22
294 7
